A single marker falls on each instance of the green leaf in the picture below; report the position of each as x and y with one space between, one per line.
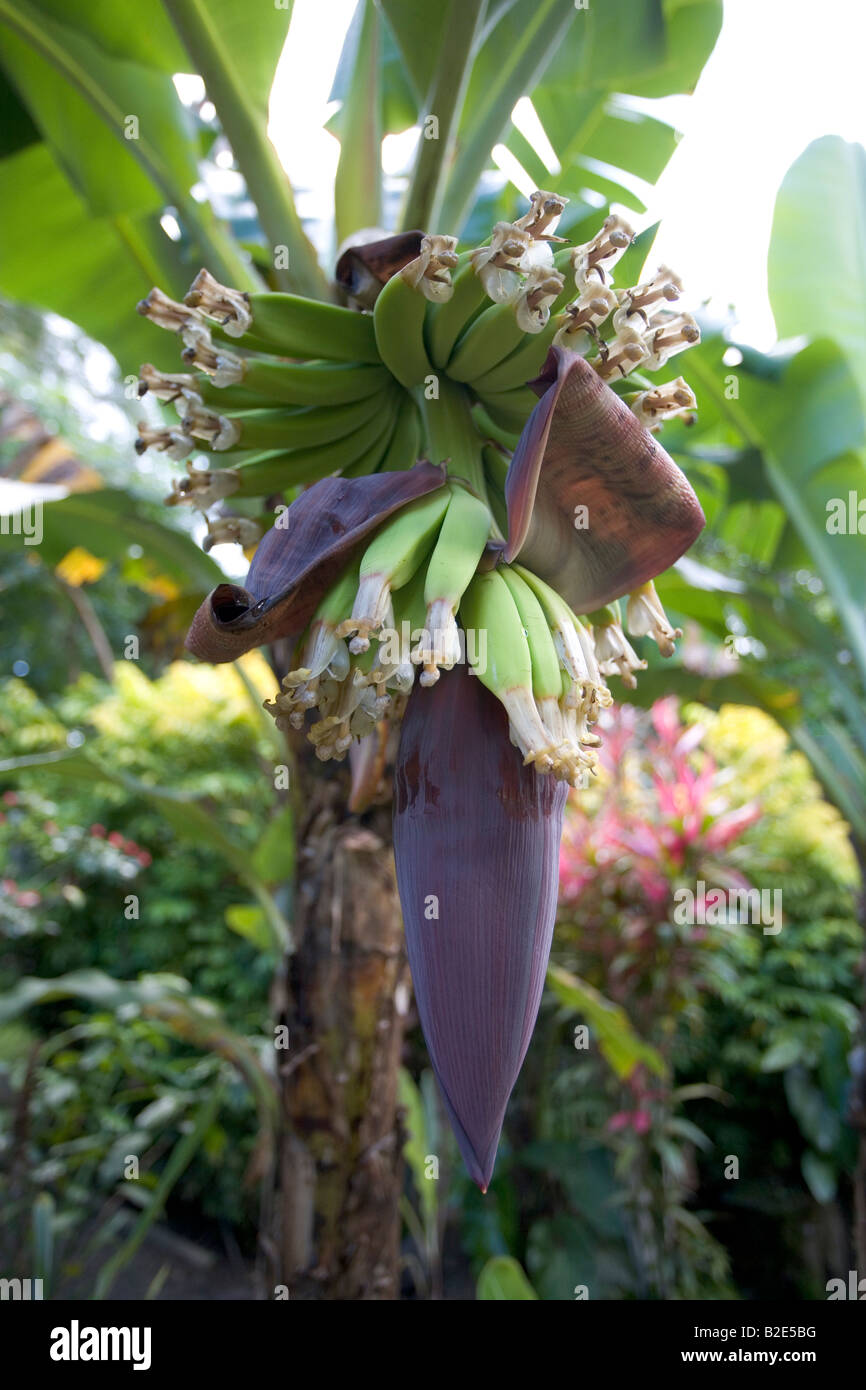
419 31
620 1045
808 427
42 1224
274 855
236 53
502 1280
358 184
139 32
107 523
93 985
509 65
444 101
418 1143
825 188
783 1054
179 1160
248 43
250 922
82 99
580 70
820 1177
17 128
83 102
99 267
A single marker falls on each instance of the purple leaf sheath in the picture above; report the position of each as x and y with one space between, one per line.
583 447
476 840
300 559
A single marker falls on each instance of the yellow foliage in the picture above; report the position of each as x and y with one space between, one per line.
185 695
765 767
79 567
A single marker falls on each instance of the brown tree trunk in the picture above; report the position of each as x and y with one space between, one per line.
339 1172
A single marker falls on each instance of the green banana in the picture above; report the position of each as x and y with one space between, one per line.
447 321
510 410
451 434
499 653
496 333
408 601
301 383
491 431
370 461
303 427
546 673
495 473
292 326
523 364
495 465
272 471
408 611
404 446
453 562
398 321
235 397
390 560
571 639
566 706
546 678
338 600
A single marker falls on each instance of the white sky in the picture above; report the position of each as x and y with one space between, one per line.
783 73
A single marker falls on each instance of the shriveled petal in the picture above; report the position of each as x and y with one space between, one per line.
583 447
298 561
476 841
364 266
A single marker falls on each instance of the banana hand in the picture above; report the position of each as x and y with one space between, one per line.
499 654
454 560
390 561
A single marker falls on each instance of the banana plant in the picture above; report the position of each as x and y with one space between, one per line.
376 564
445 567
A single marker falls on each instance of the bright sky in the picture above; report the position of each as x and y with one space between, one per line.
783 73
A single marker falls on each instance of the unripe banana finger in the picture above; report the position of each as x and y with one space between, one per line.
404 446
311 383
398 320
522 365
371 459
546 674
287 324
500 657
446 322
501 329
302 427
276 470
510 409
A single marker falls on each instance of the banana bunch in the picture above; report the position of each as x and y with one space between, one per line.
394 612
286 391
